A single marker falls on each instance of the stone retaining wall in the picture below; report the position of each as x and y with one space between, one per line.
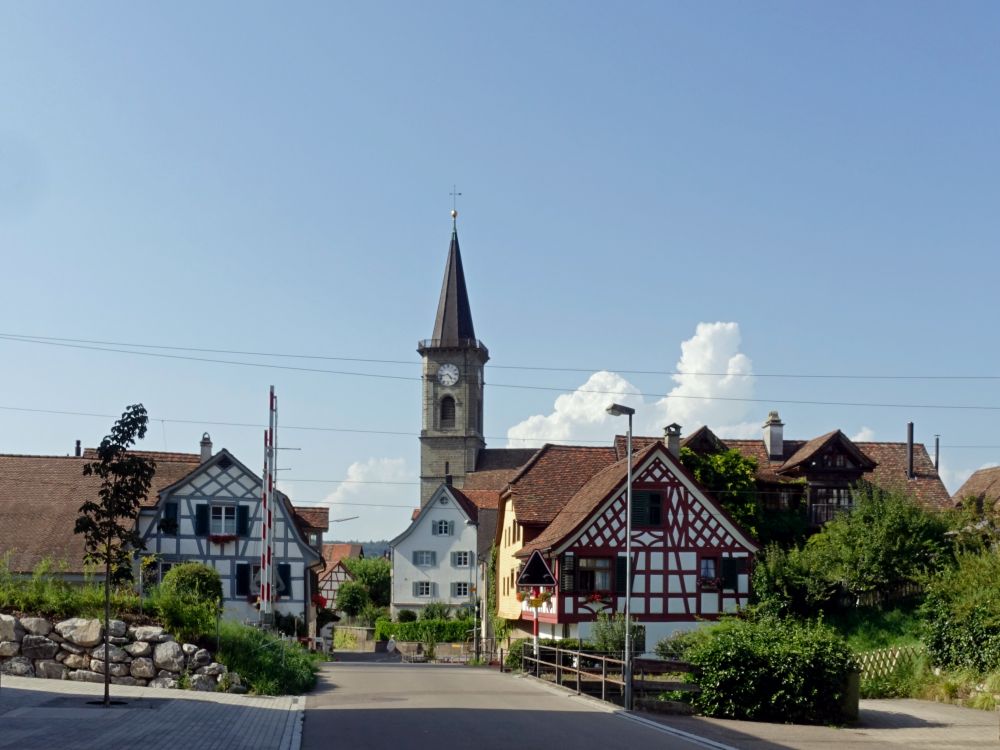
74 650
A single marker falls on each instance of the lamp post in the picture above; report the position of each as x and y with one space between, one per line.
618 410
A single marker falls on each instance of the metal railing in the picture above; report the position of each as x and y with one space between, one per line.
588 672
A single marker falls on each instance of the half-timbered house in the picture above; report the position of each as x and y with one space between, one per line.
335 573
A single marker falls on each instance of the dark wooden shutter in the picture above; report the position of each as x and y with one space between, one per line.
567 574
201 520
285 574
655 509
640 508
243 573
730 572
243 520
621 574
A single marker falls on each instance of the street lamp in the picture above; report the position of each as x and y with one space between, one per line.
618 410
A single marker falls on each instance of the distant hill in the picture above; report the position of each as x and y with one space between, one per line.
371 548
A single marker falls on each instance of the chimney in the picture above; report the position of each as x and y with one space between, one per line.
774 440
206 447
79 451
909 450
937 453
672 439
447 479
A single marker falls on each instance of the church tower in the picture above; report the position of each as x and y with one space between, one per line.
451 434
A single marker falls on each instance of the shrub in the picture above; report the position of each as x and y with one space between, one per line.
513 658
196 579
375 574
269 665
962 614
435 610
406 615
609 634
47 594
372 613
785 582
771 669
442 631
352 598
908 679
184 615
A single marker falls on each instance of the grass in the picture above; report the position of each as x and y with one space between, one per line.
344 641
267 664
870 628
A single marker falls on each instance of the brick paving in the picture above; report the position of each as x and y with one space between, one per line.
47 714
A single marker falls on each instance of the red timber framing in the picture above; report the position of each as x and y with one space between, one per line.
690 561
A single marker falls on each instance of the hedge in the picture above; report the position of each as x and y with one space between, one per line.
440 631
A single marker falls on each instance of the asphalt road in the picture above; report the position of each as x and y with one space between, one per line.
386 706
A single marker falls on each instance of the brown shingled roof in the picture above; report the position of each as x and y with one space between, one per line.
552 477
313 518
890 473
40 499
334 553
982 485
814 446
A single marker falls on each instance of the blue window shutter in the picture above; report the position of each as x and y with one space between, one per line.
451 528
434 528
201 520
243 520
434 557
416 592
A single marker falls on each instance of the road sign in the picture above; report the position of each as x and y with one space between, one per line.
536 572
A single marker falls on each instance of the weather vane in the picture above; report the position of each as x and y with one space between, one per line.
454 201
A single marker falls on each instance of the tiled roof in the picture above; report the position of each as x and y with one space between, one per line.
335 552
889 458
890 473
812 447
491 459
983 485
40 499
470 508
497 479
552 477
584 502
483 498
313 518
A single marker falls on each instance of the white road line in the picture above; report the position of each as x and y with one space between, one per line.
693 738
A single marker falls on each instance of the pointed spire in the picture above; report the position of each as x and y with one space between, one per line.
453 324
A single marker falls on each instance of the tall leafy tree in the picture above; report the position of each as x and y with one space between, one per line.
108 522
375 573
732 478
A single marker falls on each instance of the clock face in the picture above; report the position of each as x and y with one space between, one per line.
447 374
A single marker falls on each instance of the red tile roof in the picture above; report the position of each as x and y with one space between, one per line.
552 477
40 499
334 553
983 485
313 518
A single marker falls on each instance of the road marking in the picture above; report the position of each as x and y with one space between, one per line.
694 738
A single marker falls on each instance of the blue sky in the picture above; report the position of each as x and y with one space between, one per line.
821 178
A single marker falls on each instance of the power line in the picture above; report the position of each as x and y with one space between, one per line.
736 399
28 338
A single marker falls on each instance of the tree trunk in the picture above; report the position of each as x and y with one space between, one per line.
107 624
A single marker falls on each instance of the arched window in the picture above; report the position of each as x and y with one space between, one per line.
447 412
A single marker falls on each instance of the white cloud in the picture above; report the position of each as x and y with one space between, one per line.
711 366
371 484
864 435
580 415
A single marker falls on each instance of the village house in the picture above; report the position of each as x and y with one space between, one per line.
201 507
336 572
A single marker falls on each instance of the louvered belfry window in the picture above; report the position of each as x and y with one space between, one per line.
447 412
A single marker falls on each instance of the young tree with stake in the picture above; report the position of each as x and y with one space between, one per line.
109 522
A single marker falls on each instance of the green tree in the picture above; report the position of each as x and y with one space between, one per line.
108 523
375 573
352 597
887 540
731 478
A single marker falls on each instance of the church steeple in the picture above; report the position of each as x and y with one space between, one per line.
453 324
451 434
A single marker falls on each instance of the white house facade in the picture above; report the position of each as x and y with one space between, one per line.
435 558
213 516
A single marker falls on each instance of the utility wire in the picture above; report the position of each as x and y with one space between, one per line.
770 401
532 368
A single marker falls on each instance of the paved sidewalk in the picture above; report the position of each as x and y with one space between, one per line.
884 725
42 714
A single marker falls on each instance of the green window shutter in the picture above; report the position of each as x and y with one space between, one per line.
730 572
201 520
567 574
454 559
451 528
243 520
415 592
640 508
655 509
621 574
285 576
242 579
454 590
434 557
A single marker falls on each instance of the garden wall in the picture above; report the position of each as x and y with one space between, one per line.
74 650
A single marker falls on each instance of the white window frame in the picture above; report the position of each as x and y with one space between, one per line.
425 586
461 559
225 523
443 528
460 589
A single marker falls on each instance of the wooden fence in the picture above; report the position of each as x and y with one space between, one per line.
883 661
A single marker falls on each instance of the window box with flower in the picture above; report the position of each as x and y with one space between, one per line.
222 538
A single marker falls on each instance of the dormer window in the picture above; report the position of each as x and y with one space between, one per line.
447 420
